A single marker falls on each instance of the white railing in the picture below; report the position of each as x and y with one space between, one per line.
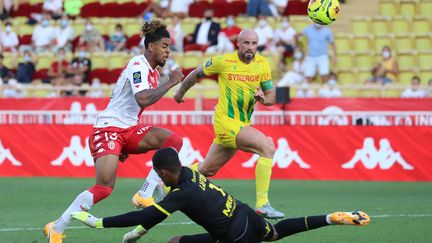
291 118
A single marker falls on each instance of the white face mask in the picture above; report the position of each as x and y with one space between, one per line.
27 58
298 55
89 27
284 24
230 22
262 23
386 54
8 28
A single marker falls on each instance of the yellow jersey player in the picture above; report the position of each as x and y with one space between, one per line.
244 78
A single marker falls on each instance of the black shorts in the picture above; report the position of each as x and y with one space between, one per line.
248 227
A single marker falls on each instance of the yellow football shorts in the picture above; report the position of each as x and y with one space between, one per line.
226 130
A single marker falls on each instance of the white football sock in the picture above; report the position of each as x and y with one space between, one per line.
150 184
82 202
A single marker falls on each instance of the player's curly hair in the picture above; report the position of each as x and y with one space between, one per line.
153 31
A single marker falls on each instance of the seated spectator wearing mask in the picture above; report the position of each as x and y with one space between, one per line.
26 67
91 38
265 35
44 35
8 39
330 90
205 34
117 41
65 34
227 38
414 91
386 70
296 74
286 41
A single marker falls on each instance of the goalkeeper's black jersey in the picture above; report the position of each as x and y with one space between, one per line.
202 201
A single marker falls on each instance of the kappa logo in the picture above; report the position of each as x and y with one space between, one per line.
384 157
284 156
187 155
75 153
136 63
142 130
6 154
79 116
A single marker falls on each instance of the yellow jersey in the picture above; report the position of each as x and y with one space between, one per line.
238 82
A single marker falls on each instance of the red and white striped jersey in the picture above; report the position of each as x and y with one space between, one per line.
123 110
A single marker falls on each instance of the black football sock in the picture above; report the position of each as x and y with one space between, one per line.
288 227
199 238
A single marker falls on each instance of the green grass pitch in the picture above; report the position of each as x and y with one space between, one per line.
401 212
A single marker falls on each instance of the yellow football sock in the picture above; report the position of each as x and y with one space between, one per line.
194 166
263 172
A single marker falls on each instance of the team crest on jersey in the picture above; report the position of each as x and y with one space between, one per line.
111 145
209 63
136 77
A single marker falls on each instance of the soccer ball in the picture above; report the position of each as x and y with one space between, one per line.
323 12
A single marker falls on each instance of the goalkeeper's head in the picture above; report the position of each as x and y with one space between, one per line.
167 165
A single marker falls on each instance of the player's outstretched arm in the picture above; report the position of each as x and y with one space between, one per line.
267 97
148 97
188 82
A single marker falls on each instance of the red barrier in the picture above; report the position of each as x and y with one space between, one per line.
321 153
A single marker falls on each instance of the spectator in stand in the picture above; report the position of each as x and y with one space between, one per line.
330 90
117 41
72 8
5 8
168 8
277 7
57 70
176 34
80 66
5 73
95 90
286 41
296 75
386 70
65 34
255 8
26 66
206 32
227 37
429 90
53 8
305 91
319 38
414 91
8 39
13 89
44 35
265 35
91 39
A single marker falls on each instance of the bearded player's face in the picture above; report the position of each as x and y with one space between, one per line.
247 47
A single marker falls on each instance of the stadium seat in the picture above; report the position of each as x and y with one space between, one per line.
343 42
364 61
408 8
385 40
299 23
380 25
388 8
362 76
425 61
117 60
347 77
360 25
424 7
423 42
25 29
362 43
211 89
401 25
345 62
407 61
425 76
192 59
99 60
404 77
25 39
404 43
421 25
132 28
44 61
